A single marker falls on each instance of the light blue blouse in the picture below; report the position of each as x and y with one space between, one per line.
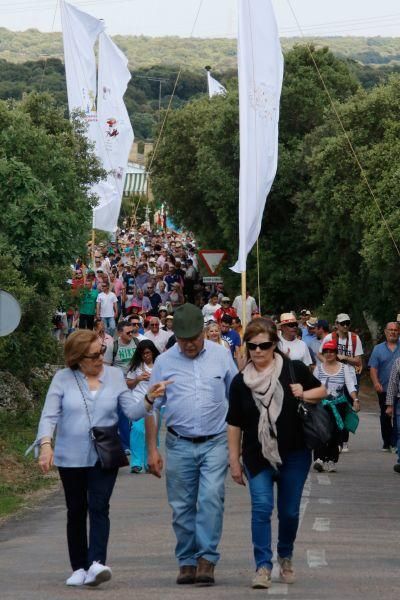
64 409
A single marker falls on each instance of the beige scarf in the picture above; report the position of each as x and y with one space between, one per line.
267 393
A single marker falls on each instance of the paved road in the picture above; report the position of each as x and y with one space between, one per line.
347 548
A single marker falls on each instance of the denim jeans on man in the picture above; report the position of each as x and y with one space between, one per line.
87 490
196 491
109 324
290 479
396 427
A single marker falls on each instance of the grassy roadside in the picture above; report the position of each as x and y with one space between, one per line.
19 475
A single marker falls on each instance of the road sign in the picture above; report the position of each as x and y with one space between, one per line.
10 313
212 280
212 259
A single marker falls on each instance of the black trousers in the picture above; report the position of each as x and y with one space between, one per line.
86 321
329 452
386 422
87 490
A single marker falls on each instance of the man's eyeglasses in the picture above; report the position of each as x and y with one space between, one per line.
291 325
329 352
263 345
96 355
130 332
344 323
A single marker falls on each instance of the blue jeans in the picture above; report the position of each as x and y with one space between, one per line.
290 479
195 476
397 428
109 324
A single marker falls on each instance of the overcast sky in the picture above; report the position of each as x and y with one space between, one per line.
216 18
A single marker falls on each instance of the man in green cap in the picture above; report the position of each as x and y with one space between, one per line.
196 404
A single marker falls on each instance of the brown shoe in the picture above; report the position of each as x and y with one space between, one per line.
205 572
187 574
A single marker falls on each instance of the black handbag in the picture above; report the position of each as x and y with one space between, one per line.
318 421
106 441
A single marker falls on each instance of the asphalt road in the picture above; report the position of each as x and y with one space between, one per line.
347 548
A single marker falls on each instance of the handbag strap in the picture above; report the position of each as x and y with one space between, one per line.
291 372
84 400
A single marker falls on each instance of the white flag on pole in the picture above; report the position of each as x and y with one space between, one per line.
80 32
260 66
116 134
215 88
105 113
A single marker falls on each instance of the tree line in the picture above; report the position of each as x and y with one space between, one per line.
323 244
193 53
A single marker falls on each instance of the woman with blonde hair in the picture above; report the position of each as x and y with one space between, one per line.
213 333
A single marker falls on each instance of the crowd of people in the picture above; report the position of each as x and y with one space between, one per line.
148 336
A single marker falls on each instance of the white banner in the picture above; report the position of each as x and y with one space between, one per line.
80 32
116 134
215 88
108 123
260 66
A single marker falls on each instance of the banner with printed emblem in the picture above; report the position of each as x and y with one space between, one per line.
260 66
116 134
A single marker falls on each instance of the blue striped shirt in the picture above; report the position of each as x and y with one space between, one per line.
196 402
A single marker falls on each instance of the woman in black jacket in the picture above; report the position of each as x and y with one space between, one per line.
263 406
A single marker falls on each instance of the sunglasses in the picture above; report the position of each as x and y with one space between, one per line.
263 345
291 325
329 352
96 355
129 332
344 323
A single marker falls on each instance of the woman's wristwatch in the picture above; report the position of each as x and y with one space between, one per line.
151 402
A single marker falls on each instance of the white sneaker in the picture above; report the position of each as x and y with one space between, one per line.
331 466
97 574
77 578
345 447
318 465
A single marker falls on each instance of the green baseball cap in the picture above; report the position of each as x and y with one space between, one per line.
188 321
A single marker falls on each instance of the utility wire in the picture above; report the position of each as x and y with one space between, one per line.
352 149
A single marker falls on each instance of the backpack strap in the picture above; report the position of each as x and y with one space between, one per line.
353 342
115 350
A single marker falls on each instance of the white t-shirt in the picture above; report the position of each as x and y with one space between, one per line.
251 306
295 350
141 388
345 345
160 340
106 302
208 311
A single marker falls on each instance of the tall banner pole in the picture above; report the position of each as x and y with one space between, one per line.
93 250
244 293
258 277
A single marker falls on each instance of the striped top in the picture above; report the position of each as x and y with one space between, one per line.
393 385
336 382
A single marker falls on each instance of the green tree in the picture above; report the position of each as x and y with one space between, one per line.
46 170
196 173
